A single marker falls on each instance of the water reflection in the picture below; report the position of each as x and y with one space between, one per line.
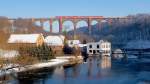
35 76
97 70
72 72
59 72
105 62
94 68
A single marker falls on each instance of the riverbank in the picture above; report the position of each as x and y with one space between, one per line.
59 61
72 60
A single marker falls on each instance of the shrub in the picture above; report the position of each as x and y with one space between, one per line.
67 49
42 53
1 62
25 60
71 50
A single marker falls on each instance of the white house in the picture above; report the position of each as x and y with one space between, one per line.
56 43
55 40
101 47
32 39
72 43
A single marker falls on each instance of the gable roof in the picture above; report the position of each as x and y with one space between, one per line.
23 38
55 40
99 42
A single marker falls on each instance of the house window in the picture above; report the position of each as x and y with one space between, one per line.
106 45
90 46
103 46
97 51
90 51
97 46
71 42
94 51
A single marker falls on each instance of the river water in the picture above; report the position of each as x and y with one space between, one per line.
95 71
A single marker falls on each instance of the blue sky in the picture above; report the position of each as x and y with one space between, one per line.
47 8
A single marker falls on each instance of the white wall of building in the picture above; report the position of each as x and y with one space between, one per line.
93 48
72 43
54 40
102 47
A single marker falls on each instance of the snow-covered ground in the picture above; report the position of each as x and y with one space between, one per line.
132 57
8 53
14 69
68 57
139 44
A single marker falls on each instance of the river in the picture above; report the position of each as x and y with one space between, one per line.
95 71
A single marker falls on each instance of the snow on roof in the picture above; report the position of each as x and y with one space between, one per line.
101 41
55 40
92 43
62 37
140 44
82 45
23 38
73 41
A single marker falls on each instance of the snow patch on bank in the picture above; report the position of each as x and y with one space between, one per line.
8 53
51 63
138 44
